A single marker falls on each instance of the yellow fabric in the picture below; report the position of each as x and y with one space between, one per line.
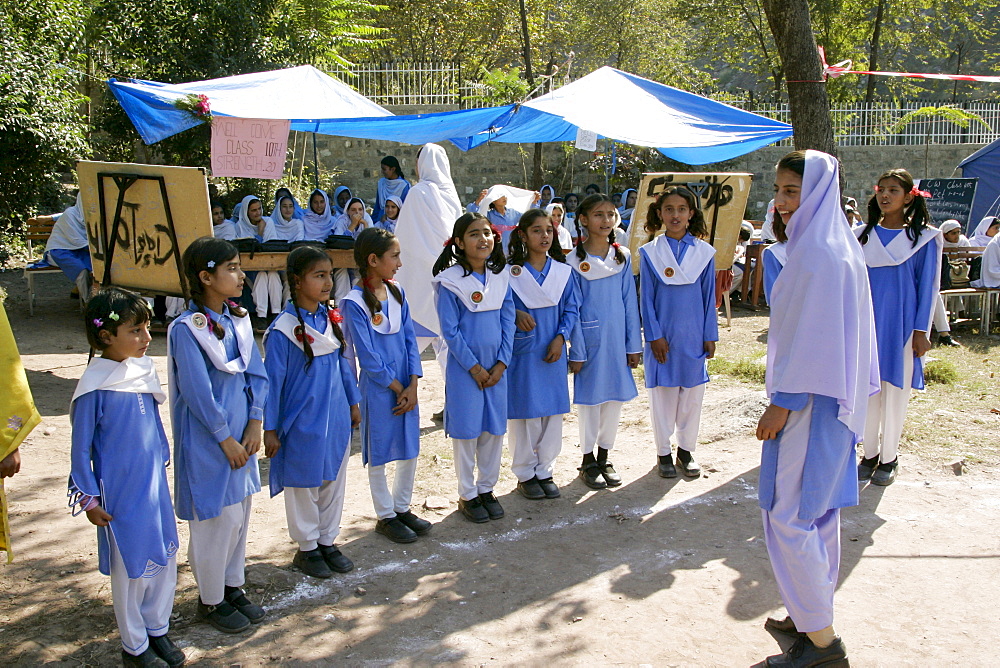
18 415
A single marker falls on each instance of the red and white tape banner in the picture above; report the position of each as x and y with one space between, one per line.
844 67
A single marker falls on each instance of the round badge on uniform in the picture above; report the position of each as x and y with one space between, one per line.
585 267
199 321
477 297
668 272
377 319
515 270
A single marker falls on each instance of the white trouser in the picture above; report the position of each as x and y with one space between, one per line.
388 504
341 284
737 279
217 551
267 290
887 412
599 425
805 554
142 605
534 446
314 513
175 306
676 412
941 317
483 452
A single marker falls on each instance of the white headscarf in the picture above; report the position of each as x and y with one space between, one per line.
979 237
822 334
425 221
69 231
244 228
288 230
317 225
518 199
343 223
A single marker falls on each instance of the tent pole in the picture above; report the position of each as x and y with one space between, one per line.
607 168
315 162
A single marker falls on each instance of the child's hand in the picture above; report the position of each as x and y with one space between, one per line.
660 348
99 517
574 367
524 321
235 453
633 360
251 437
555 351
355 416
480 375
709 349
496 373
271 443
771 422
921 344
406 400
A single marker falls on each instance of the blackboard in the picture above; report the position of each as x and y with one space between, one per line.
951 199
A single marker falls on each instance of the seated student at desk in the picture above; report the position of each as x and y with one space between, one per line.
67 247
740 256
989 276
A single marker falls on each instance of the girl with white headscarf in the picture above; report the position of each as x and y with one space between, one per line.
354 219
392 184
318 218
563 234
822 366
393 205
425 222
286 226
67 247
268 288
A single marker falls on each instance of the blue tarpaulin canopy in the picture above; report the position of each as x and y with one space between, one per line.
984 163
614 104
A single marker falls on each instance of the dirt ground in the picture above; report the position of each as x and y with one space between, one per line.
655 573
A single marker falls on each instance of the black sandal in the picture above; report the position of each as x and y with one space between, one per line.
611 476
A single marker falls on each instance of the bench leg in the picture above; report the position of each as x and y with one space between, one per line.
31 294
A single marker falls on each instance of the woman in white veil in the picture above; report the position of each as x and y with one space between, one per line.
424 224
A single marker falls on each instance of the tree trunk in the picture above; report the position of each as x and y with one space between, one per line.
807 95
873 52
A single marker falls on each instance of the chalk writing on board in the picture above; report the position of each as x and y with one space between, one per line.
950 199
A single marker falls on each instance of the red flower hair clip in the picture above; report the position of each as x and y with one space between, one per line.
923 193
231 304
300 334
446 243
336 317
616 245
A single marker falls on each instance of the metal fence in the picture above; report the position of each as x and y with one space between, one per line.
877 124
441 83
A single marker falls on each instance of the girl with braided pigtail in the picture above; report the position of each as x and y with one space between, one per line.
217 391
310 411
606 344
385 345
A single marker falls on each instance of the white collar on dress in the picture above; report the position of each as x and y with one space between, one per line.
668 269
475 295
540 295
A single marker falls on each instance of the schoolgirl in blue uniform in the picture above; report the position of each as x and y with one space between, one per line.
385 346
217 390
476 312
677 277
903 256
119 451
547 309
606 343
311 407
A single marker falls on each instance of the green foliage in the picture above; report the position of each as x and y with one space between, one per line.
959 117
750 370
41 129
940 371
503 86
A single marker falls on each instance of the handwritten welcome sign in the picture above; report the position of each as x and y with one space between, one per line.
249 147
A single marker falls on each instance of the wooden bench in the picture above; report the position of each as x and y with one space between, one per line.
985 295
38 232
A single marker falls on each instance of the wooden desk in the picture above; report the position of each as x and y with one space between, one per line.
752 265
342 259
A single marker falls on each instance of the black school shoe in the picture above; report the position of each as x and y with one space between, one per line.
147 658
395 530
867 467
885 474
474 510
549 488
608 472
167 650
804 654
530 489
417 525
312 563
783 626
335 559
665 467
687 464
239 600
224 617
590 474
493 507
